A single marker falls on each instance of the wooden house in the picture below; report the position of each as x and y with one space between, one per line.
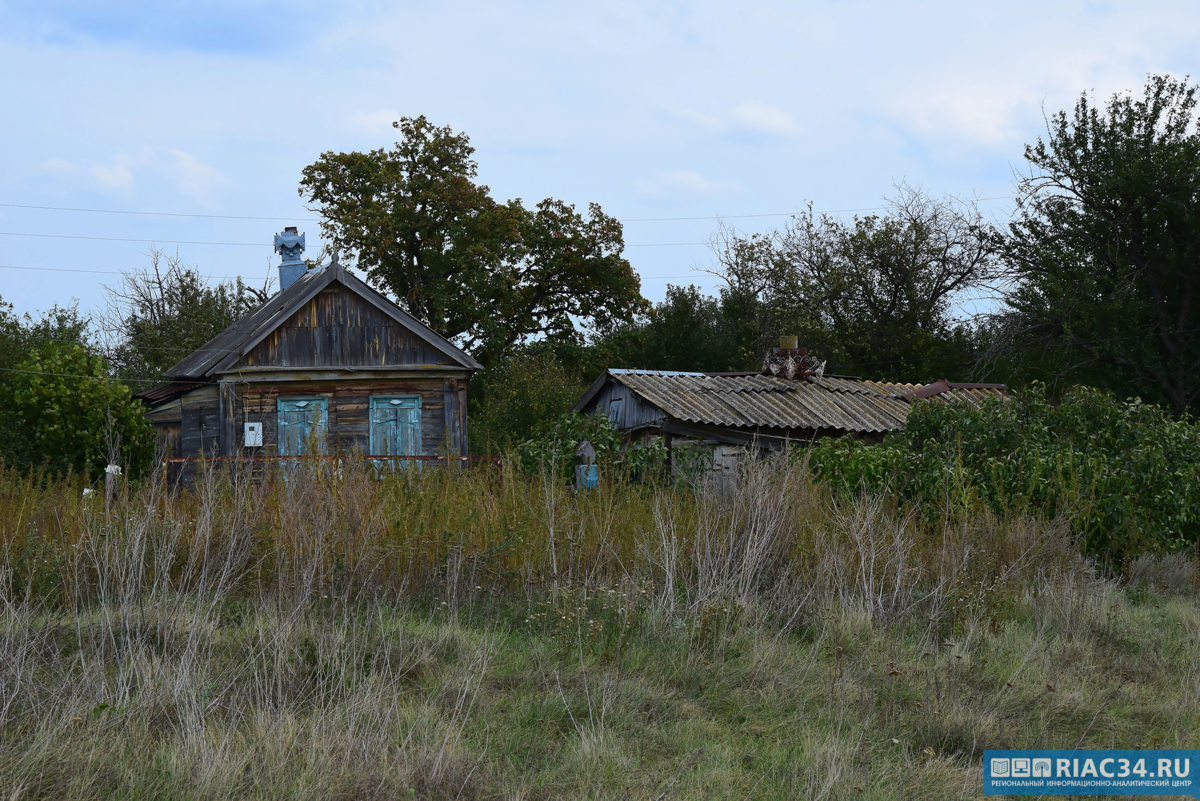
327 366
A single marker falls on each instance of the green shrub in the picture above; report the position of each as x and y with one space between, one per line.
1127 474
71 414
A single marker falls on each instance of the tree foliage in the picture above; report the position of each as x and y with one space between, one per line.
489 274
512 400
874 296
1105 250
687 331
160 314
1127 474
72 415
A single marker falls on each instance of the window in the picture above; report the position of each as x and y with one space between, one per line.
303 423
614 411
395 425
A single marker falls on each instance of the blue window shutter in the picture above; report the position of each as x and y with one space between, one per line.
302 423
395 425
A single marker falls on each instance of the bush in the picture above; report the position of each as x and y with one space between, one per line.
1125 473
511 400
71 414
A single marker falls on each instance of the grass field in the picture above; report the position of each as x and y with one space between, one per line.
442 635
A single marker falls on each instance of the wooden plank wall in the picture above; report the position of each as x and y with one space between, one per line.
634 411
200 425
348 414
340 329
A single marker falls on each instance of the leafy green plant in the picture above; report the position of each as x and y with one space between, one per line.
73 415
1127 474
553 448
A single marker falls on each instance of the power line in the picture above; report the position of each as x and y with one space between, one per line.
146 241
317 219
99 272
256 244
782 213
81 375
157 213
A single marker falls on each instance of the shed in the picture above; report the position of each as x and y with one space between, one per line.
327 365
733 410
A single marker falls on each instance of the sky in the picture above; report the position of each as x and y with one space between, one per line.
670 115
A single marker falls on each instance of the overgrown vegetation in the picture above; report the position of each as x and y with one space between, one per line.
1124 475
441 634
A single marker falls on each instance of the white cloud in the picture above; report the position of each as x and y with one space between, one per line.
682 182
193 177
115 176
58 165
761 118
373 122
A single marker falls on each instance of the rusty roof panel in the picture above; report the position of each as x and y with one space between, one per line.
767 401
758 401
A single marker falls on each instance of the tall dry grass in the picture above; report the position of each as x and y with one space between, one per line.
324 633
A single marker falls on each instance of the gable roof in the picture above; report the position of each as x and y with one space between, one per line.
764 401
225 349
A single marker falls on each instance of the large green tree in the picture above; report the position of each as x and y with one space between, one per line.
488 274
1105 249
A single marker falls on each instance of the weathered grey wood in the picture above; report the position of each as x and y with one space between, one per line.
451 415
226 418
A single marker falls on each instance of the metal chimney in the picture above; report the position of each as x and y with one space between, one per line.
290 245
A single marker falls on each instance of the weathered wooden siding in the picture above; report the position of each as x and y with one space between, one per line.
634 411
200 422
349 429
338 328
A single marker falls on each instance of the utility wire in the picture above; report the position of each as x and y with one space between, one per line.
147 241
838 366
317 219
251 244
155 213
104 272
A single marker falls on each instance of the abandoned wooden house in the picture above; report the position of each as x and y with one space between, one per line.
328 365
730 413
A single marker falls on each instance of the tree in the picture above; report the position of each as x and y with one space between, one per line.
875 296
72 415
687 331
1105 249
160 314
515 397
491 275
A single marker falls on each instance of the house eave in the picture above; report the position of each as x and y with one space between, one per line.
369 373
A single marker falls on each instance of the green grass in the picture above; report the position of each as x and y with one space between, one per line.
339 638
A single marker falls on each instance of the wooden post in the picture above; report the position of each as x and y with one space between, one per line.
226 418
451 412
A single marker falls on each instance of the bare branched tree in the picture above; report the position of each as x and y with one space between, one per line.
160 313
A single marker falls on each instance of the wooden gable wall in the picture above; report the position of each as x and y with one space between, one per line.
338 328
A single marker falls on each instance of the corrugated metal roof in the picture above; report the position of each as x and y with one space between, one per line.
973 394
766 401
165 392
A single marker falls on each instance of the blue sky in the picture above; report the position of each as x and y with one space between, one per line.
652 109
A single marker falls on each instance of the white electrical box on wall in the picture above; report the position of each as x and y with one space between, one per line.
253 435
